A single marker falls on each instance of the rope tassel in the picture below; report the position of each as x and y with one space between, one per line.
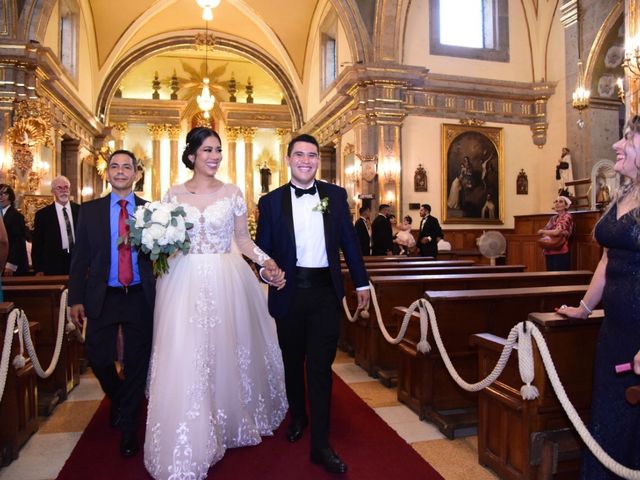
525 362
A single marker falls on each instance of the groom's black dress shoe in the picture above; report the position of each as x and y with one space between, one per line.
129 444
295 429
329 460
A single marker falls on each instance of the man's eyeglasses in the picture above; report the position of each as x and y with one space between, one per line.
4 193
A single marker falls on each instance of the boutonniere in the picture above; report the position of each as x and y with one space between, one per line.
323 206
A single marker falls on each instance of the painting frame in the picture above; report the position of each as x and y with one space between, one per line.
472 174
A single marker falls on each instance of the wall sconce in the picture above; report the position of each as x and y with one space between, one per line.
631 62
390 197
391 170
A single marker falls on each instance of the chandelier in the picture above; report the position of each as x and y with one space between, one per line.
580 96
207 6
205 100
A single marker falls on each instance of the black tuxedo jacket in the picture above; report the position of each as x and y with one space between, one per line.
381 235
16 233
46 251
430 228
363 236
91 259
275 236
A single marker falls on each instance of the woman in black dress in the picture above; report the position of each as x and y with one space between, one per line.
614 423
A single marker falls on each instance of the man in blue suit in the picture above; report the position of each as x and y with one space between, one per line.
114 287
303 225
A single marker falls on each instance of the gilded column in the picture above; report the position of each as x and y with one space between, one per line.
120 130
390 155
156 131
283 170
247 134
174 165
632 34
232 134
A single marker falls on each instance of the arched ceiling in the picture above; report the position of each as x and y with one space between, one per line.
280 27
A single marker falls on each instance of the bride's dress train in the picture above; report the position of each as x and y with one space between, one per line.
216 378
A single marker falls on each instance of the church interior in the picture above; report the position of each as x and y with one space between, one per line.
404 96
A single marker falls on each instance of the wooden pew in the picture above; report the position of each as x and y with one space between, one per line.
347 333
529 439
424 384
35 280
380 358
41 303
18 408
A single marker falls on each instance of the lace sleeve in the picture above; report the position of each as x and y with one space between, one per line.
241 232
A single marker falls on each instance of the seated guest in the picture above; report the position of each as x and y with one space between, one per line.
17 263
54 231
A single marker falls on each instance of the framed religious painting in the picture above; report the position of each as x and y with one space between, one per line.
472 174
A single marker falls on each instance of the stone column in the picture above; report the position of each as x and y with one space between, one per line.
283 170
120 129
71 165
232 134
156 131
389 164
247 134
174 165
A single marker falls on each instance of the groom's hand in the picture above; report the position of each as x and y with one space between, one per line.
273 274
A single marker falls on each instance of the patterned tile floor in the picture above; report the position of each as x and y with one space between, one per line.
45 453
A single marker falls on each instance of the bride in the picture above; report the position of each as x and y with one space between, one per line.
216 379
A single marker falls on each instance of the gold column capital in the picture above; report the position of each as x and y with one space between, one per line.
173 131
248 133
156 130
121 128
282 133
232 133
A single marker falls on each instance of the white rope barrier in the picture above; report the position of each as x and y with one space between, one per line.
6 349
520 333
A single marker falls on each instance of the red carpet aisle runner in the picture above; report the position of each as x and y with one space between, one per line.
370 447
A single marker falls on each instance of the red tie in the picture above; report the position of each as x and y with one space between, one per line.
125 266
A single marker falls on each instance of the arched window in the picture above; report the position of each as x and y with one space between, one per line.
69 22
481 33
328 51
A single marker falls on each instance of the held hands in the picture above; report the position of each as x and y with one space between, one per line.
76 313
273 274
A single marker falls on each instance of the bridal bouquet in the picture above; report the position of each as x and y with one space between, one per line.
160 230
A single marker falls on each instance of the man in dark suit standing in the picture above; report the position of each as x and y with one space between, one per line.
17 261
382 233
430 232
111 285
303 225
363 230
54 231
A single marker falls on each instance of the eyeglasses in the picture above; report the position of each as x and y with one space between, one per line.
4 193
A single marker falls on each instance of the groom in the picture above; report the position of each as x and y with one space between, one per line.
303 225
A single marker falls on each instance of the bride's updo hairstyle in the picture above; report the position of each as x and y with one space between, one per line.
195 138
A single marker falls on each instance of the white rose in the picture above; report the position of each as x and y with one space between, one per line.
161 216
153 206
147 239
139 216
156 231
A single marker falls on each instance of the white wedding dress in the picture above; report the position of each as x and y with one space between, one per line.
216 379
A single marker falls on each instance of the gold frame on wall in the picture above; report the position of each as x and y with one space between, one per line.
472 189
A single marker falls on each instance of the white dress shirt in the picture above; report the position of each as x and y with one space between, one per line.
63 225
308 227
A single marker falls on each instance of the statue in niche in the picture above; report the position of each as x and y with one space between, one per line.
522 183
265 177
420 179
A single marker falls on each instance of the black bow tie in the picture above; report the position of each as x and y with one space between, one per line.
302 191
